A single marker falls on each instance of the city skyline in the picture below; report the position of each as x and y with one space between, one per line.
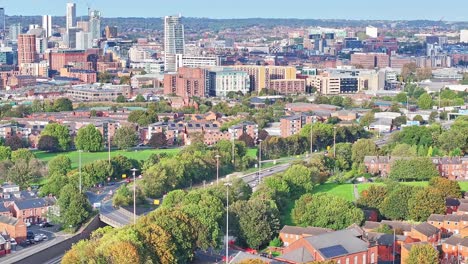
452 10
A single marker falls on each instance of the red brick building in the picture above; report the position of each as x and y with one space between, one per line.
344 246
187 82
455 250
61 58
31 211
290 234
14 227
294 86
291 125
26 48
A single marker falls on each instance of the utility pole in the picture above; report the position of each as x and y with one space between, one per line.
259 159
334 142
134 196
217 168
108 144
228 184
79 155
233 152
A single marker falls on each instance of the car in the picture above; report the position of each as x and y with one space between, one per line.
29 235
45 224
111 183
44 237
27 224
38 238
13 242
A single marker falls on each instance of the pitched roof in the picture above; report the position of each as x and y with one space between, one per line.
454 240
410 245
426 229
398 225
299 255
463 207
297 230
338 243
383 239
241 256
8 220
436 217
370 225
30 203
3 209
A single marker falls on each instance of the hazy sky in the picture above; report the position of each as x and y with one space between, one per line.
450 10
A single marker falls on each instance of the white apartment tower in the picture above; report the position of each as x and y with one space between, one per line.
372 32
95 24
173 42
71 15
464 36
47 25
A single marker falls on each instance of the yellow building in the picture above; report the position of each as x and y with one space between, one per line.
260 76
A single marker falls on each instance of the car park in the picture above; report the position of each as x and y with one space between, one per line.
45 224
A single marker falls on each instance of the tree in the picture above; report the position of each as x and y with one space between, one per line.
419 169
89 139
60 164
15 142
96 172
418 118
123 165
425 101
158 140
395 205
423 254
343 158
74 206
408 71
383 228
301 179
404 150
23 171
373 197
63 105
124 197
447 187
5 153
140 99
362 148
22 154
125 137
48 143
327 211
257 221
54 184
367 119
401 120
121 99
60 132
247 139
425 202
142 118
454 138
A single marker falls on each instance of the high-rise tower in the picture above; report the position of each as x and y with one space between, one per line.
47 25
71 15
173 42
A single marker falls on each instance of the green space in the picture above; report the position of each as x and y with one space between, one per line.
344 191
88 157
252 152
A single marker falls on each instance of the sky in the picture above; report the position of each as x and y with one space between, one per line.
448 10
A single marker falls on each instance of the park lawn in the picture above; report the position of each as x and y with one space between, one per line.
88 157
344 191
252 152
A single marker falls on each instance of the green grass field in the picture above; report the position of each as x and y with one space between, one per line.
344 191
87 157
252 152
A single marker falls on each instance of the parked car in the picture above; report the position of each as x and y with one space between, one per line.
45 224
28 224
38 238
29 235
13 242
44 237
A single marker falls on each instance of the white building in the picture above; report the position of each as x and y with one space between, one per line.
173 42
464 35
95 25
225 80
14 31
47 25
71 15
196 61
84 40
372 32
138 54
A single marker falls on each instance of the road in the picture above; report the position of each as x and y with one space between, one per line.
252 179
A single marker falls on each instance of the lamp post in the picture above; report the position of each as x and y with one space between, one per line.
79 155
217 168
312 136
334 142
233 151
134 195
259 158
407 105
227 184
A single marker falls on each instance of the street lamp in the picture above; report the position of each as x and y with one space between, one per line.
312 136
407 105
79 155
259 158
134 195
334 142
227 184
217 168
233 151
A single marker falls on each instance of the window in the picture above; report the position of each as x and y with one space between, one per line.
372 258
347 260
364 259
355 259
446 245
